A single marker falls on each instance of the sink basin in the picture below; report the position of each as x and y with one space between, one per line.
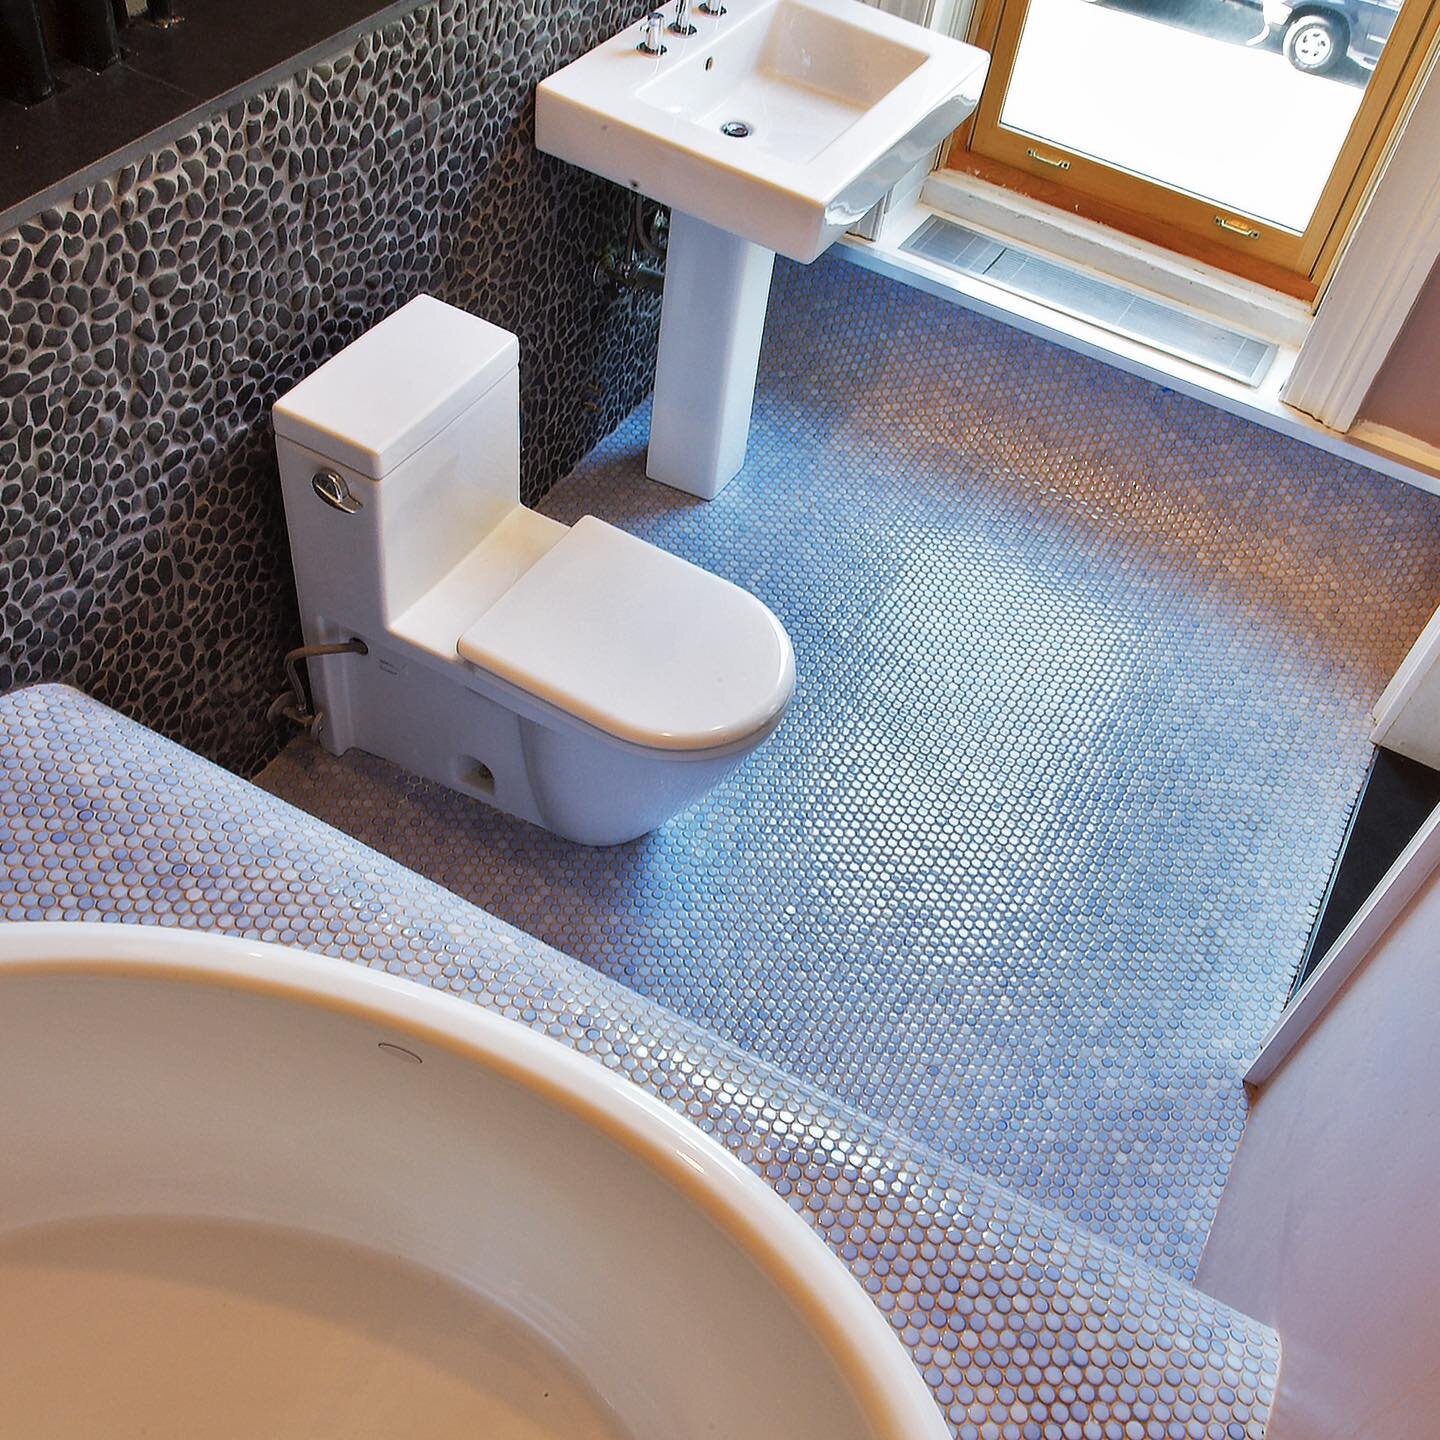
781 121
251 1192
770 129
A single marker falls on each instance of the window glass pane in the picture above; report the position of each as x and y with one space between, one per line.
1212 97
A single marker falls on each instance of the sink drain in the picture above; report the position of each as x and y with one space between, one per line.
736 129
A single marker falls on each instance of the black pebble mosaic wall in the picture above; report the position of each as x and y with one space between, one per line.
147 325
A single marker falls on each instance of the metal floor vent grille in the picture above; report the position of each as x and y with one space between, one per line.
1152 322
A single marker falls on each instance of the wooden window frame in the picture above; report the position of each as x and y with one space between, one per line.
1294 265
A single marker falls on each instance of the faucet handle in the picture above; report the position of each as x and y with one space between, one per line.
680 25
652 44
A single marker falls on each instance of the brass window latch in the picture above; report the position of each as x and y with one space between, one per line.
1242 228
1049 160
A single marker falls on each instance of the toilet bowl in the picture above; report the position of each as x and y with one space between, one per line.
577 677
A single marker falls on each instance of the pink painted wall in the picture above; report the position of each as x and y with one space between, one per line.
1406 392
1327 1228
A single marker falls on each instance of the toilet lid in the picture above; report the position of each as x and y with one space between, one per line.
637 642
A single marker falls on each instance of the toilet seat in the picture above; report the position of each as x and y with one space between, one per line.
637 642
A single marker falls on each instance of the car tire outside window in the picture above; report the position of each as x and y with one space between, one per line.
1315 43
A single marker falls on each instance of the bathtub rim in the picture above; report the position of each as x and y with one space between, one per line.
883 1380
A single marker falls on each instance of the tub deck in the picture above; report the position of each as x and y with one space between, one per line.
1014 1315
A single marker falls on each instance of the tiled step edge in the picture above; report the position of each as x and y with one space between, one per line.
1024 1326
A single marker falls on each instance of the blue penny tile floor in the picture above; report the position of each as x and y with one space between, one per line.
1084 669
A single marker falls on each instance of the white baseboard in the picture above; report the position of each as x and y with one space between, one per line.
1423 457
1390 897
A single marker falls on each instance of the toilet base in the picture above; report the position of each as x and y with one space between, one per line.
581 785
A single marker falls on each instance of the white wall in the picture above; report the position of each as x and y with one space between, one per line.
1329 1228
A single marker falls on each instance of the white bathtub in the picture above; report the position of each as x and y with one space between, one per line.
250 1192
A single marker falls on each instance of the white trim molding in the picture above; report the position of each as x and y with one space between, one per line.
950 17
1399 446
1407 715
1387 258
1349 952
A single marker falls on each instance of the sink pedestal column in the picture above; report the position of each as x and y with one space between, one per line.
711 320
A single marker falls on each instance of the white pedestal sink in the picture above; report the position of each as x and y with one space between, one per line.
711 320
770 130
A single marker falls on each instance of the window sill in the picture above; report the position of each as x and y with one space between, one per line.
1152 271
1223 296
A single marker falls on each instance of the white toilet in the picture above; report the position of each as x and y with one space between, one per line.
577 677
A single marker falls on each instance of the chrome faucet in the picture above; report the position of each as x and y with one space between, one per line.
680 25
652 44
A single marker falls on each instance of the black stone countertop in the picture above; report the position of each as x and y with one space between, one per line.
168 77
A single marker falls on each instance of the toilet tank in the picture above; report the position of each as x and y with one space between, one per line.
397 458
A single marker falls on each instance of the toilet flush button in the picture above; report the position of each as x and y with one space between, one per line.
333 490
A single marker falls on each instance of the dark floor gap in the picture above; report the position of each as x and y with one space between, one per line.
1396 799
